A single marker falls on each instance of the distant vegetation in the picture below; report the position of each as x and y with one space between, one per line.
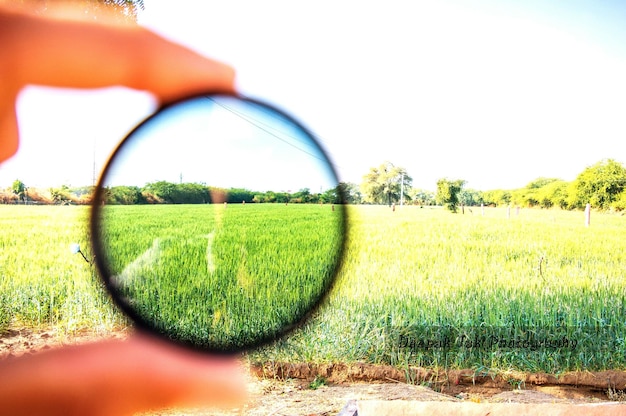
162 192
603 185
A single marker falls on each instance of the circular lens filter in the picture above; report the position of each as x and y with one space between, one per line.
218 223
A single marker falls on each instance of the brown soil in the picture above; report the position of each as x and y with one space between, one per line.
285 389
571 385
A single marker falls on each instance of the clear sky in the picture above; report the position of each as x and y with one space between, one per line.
222 142
496 93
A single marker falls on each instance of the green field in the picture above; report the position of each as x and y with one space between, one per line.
222 276
418 287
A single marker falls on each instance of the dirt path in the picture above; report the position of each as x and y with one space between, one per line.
286 389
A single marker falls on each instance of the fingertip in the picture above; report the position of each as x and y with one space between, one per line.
171 71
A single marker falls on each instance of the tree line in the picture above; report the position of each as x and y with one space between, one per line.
602 185
163 192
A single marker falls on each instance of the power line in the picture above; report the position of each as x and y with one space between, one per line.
260 125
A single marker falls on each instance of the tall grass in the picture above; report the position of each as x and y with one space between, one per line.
42 283
536 291
222 277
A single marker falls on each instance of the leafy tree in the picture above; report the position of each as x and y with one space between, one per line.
620 203
497 197
191 193
239 195
422 197
553 194
470 197
383 185
534 194
330 196
302 196
524 197
124 195
280 197
351 193
61 195
19 189
541 182
171 193
343 193
270 196
600 185
448 193
160 191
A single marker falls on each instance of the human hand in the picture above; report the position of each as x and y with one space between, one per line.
113 377
118 378
78 54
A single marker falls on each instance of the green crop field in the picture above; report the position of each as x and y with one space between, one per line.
41 282
536 291
222 276
418 287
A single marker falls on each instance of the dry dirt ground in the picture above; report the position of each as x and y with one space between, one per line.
286 389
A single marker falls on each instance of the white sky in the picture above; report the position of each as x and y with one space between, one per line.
493 92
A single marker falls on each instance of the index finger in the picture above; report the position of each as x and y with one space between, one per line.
64 53
68 53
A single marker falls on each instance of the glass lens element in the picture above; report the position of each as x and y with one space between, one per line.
218 223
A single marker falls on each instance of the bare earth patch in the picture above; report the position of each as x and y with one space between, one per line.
285 389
